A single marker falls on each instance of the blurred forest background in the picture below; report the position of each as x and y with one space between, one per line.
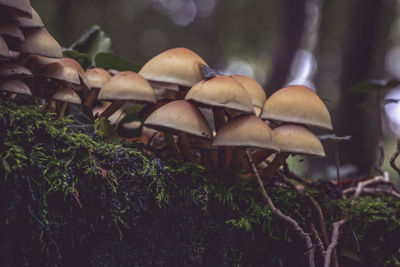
328 45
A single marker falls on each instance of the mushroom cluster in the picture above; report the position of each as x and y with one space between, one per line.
32 63
210 120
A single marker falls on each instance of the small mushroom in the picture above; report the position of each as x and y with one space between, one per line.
20 5
246 131
35 21
15 86
97 78
293 138
125 86
179 117
66 95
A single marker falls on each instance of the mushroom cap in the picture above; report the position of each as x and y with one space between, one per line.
34 60
21 5
12 69
11 29
127 85
68 95
97 77
39 41
253 88
246 131
15 86
60 70
35 21
221 91
84 81
295 138
178 65
4 52
297 104
179 116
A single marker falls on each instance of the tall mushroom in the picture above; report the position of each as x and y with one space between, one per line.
97 78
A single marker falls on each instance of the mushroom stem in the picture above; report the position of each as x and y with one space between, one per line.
92 97
204 160
184 147
112 108
219 118
279 159
237 159
172 147
62 110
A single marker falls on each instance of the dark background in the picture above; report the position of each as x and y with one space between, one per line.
328 45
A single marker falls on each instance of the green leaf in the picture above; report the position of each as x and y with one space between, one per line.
92 42
372 85
132 115
112 61
106 130
333 137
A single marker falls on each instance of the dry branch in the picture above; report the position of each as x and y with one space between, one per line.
305 236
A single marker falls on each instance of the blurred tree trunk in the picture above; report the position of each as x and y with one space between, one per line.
292 18
359 53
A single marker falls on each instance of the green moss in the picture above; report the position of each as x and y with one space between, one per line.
69 198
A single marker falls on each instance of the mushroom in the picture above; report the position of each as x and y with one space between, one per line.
39 41
221 93
297 104
20 5
66 95
293 138
12 30
14 70
15 86
175 70
35 21
247 131
179 117
4 52
97 77
255 91
125 86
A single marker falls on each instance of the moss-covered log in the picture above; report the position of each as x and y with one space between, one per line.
70 199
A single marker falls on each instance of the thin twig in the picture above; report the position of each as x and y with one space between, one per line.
375 191
334 242
338 166
320 245
381 148
305 236
394 157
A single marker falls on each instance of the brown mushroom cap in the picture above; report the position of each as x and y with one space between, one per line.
60 70
85 83
15 86
253 88
39 41
35 21
97 77
297 104
11 29
127 85
21 5
12 69
221 91
179 116
295 138
67 95
246 131
178 65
